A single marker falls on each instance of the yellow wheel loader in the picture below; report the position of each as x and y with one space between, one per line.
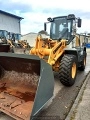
23 44
27 81
62 50
5 44
15 42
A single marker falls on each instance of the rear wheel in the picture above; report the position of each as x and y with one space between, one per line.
68 70
83 62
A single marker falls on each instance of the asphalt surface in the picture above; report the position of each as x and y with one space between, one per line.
63 97
82 112
81 107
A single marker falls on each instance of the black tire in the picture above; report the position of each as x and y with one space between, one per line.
12 50
65 70
83 62
2 71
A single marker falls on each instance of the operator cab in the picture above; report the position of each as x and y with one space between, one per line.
63 27
60 27
17 36
3 36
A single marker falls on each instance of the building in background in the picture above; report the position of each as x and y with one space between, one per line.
10 22
30 37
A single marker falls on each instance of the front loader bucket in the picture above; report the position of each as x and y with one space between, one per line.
26 84
4 47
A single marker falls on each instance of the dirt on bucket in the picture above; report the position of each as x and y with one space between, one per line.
17 93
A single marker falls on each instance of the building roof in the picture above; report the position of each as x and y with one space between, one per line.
29 33
12 15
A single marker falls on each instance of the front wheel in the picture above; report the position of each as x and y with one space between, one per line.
68 70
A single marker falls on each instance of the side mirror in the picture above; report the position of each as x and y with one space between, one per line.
79 22
50 19
45 27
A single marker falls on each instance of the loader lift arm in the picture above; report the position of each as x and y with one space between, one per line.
47 47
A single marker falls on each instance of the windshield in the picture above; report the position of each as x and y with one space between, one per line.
3 34
61 28
17 36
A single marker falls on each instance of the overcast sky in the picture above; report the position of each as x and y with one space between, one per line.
36 12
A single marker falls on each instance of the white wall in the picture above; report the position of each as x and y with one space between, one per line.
9 23
30 37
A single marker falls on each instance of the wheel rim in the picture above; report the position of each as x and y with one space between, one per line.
73 70
84 61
